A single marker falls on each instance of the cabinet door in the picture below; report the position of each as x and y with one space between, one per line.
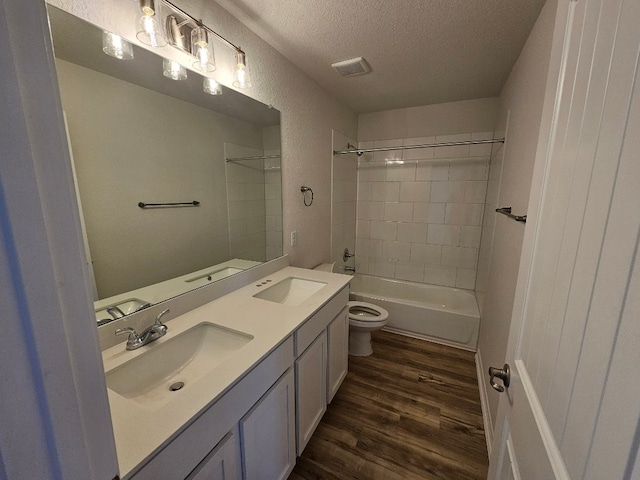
311 390
268 433
338 355
223 463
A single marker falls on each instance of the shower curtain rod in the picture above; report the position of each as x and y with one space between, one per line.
360 151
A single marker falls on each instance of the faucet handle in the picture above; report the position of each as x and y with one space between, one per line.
160 315
133 340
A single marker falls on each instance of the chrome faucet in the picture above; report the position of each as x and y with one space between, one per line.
154 332
347 268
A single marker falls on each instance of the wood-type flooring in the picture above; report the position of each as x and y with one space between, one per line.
409 411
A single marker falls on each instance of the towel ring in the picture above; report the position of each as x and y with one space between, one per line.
304 191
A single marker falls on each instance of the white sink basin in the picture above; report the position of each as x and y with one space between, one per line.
148 378
290 291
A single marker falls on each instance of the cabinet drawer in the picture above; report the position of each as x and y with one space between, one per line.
309 330
185 451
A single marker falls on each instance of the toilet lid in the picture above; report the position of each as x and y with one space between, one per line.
366 312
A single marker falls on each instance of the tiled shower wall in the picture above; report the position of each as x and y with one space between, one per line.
420 211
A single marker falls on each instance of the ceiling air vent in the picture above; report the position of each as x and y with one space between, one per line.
349 68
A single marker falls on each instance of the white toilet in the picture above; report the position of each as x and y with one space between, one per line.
364 318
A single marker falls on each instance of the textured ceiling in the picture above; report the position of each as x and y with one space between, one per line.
421 51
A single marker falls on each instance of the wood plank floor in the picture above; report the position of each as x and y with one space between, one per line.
409 411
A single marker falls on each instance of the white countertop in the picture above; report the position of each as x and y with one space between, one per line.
139 430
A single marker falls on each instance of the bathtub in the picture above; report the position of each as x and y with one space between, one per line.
441 314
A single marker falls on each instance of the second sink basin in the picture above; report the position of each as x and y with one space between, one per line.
166 368
290 291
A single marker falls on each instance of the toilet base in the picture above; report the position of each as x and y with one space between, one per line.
360 344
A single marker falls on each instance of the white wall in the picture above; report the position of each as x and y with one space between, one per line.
520 111
308 114
420 211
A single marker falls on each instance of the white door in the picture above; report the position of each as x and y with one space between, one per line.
571 410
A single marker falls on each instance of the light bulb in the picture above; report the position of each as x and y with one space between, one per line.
210 86
241 76
202 50
115 46
173 70
147 30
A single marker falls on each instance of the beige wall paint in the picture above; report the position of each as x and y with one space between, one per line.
119 163
308 114
477 115
520 111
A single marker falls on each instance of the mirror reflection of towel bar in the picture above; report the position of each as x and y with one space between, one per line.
507 211
194 203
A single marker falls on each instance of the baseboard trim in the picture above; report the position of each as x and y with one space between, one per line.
484 402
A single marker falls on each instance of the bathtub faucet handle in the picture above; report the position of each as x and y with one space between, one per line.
346 255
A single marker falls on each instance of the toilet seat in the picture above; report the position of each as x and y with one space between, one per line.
366 313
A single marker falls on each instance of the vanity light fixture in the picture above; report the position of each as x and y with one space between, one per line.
148 31
173 70
186 33
202 49
115 46
242 78
210 86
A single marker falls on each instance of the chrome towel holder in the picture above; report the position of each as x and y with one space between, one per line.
304 191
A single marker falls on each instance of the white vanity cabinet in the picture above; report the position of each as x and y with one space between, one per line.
338 348
268 433
223 463
311 390
320 364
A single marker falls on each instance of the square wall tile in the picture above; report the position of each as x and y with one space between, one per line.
389 155
443 234
460 257
362 264
428 212
394 250
398 212
465 278
432 170
382 267
413 272
415 191
470 236
455 151
475 191
469 169
364 191
362 228
447 192
401 172
418 153
372 172
385 191
412 232
463 214
384 230
438 275
426 254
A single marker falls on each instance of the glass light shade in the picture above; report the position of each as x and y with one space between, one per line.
149 32
241 77
115 46
173 70
202 49
210 86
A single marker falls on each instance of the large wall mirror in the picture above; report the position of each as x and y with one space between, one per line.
137 137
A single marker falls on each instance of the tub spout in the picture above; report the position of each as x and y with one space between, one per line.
350 269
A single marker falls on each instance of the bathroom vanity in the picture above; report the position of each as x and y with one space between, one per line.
237 386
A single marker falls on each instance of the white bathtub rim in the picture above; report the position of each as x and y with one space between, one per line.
473 314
